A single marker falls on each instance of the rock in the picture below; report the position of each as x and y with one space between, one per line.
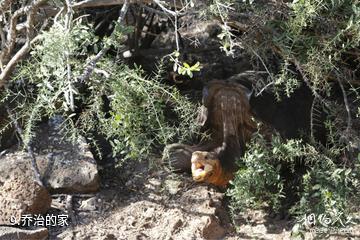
11 233
172 186
66 167
194 213
89 204
66 235
211 224
21 195
213 229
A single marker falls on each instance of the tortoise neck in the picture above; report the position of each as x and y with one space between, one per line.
220 177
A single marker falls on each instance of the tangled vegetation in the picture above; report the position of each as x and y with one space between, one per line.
312 43
50 83
297 43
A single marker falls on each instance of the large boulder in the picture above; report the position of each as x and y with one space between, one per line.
65 166
20 195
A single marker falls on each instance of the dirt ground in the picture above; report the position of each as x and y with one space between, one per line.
138 203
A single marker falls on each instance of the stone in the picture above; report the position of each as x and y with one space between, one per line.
21 195
173 186
7 233
213 229
212 223
89 204
65 166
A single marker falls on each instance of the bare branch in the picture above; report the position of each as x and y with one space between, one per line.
160 4
346 102
152 10
70 211
31 11
11 35
263 89
12 63
28 147
104 3
69 92
267 70
5 5
307 81
3 43
92 63
176 30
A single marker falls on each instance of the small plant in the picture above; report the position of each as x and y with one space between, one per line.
184 68
326 189
258 182
138 123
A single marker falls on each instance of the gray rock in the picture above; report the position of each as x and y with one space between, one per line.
10 233
22 195
66 167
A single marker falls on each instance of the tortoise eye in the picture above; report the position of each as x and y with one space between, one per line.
206 157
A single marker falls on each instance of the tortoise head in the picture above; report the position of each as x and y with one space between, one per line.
206 167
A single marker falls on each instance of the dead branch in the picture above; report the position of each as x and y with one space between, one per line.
346 102
98 3
307 82
70 93
92 63
168 11
3 43
28 147
349 120
11 36
5 5
31 11
152 10
70 210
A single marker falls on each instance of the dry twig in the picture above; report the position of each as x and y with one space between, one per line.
28 147
31 11
307 82
92 63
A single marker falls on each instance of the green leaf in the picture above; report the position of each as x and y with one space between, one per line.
190 73
186 65
181 70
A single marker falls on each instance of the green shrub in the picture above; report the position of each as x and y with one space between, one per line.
327 189
258 182
310 43
138 124
48 84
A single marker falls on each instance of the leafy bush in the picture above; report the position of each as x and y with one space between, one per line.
138 123
327 187
258 182
310 43
49 84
